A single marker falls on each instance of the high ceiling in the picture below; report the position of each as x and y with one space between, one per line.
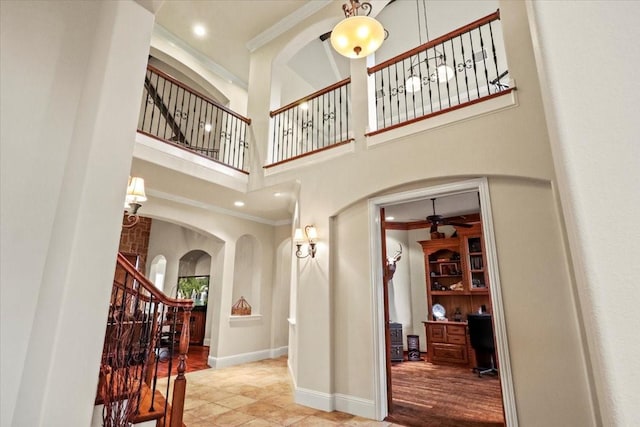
233 26
229 25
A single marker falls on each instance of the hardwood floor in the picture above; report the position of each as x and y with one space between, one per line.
427 395
196 360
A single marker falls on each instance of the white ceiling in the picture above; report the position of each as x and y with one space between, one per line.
230 25
447 206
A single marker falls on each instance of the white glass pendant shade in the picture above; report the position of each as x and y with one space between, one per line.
443 74
357 36
413 84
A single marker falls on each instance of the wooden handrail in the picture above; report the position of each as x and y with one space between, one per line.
146 283
310 97
478 22
206 98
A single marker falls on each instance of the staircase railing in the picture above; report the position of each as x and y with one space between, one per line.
144 328
179 115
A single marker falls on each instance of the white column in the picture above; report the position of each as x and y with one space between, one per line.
74 77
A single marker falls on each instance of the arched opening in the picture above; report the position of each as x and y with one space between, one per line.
194 271
442 267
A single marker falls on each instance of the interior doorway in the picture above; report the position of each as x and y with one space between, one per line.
459 279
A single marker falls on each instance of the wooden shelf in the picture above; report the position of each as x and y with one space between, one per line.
448 339
450 293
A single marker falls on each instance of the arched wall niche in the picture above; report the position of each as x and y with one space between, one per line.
247 273
157 271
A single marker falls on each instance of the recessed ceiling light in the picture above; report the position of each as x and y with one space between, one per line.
199 30
239 203
277 194
207 127
390 218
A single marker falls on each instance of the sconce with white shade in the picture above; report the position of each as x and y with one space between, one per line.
133 200
357 36
309 237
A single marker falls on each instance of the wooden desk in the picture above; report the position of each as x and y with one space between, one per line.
448 342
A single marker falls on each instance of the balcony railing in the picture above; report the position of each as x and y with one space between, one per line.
459 68
313 123
176 114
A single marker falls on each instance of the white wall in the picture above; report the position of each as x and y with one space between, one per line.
167 50
217 234
334 296
400 286
594 131
71 86
247 281
418 283
173 241
281 289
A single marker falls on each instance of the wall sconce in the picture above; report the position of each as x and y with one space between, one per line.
133 200
310 235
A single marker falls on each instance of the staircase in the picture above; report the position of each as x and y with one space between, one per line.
144 326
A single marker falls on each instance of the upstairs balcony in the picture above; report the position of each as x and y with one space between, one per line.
417 89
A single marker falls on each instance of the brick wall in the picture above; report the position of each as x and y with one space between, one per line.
135 240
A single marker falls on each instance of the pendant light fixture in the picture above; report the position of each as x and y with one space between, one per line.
357 36
443 72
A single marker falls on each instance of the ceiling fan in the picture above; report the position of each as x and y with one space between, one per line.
437 220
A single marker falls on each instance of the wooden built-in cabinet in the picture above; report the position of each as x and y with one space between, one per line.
456 279
197 323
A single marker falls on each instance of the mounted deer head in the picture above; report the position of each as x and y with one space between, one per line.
391 263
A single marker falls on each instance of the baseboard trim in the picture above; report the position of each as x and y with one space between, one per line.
314 399
280 351
238 359
355 405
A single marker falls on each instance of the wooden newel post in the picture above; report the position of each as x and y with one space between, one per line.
180 384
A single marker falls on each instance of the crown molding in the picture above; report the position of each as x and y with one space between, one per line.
162 33
286 23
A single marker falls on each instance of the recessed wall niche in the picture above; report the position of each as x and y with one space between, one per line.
246 274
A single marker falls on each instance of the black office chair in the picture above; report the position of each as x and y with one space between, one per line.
481 336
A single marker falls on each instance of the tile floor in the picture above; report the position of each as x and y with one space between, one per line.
254 394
